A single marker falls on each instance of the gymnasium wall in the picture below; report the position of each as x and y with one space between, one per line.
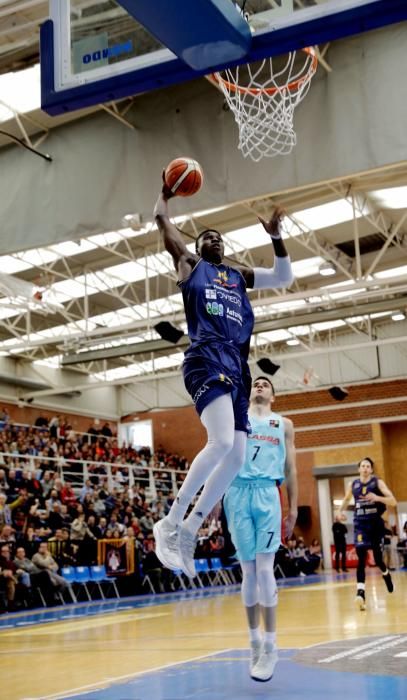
372 422
352 120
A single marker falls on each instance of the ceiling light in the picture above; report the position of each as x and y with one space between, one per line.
293 341
326 269
398 316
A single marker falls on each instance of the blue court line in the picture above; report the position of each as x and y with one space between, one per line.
225 675
112 605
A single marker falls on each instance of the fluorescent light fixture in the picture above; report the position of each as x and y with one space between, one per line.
325 215
293 341
307 267
398 316
392 272
20 92
326 269
391 197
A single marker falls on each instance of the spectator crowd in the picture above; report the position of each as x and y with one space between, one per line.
61 492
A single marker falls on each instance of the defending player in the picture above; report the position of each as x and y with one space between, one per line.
371 498
253 511
220 321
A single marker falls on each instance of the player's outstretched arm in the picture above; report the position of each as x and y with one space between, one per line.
346 500
174 243
290 478
281 274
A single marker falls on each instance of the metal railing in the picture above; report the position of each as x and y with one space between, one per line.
77 471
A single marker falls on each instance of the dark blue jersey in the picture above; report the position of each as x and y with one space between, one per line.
366 511
216 305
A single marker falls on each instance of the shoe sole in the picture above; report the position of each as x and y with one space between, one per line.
164 561
262 680
360 603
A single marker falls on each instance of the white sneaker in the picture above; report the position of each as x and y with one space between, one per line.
264 669
255 652
166 538
187 546
360 600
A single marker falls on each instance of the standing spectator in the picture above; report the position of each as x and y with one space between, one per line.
41 421
340 531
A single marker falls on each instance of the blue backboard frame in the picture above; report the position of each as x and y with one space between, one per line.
269 42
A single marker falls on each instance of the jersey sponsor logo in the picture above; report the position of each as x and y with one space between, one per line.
268 438
225 378
274 423
234 315
223 279
214 309
231 298
210 293
202 389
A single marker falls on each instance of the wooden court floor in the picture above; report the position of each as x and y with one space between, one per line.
76 655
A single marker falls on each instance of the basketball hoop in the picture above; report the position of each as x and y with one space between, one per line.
263 97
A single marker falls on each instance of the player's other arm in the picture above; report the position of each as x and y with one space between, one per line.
290 478
387 498
281 274
174 243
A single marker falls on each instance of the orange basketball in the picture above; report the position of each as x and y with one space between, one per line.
183 176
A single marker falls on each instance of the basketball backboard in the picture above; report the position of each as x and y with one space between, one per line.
95 52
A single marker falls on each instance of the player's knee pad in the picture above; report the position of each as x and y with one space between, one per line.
249 592
268 596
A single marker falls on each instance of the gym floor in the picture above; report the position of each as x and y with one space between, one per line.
194 644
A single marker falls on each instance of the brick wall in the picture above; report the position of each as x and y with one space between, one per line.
28 414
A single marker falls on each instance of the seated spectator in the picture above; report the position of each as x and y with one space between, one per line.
147 522
68 496
8 576
36 577
44 561
62 549
153 568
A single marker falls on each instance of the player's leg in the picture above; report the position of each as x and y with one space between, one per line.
343 549
337 552
361 553
237 508
250 599
378 558
215 486
266 509
218 419
264 669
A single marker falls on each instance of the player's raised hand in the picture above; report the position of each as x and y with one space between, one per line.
273 225
165 189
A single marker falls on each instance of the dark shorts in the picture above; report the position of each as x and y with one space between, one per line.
369 534
210 372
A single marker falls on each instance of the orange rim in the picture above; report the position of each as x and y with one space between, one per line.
232 87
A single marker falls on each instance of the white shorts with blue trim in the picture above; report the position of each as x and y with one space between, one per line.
253 512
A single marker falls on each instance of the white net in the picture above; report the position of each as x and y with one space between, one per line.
263 97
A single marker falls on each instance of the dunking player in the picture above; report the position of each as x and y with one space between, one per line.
371 498
220 321
253 511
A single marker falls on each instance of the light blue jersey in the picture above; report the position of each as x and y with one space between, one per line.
265 451
252 502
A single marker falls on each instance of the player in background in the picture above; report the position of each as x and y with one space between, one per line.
372 497
220 320
253 511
